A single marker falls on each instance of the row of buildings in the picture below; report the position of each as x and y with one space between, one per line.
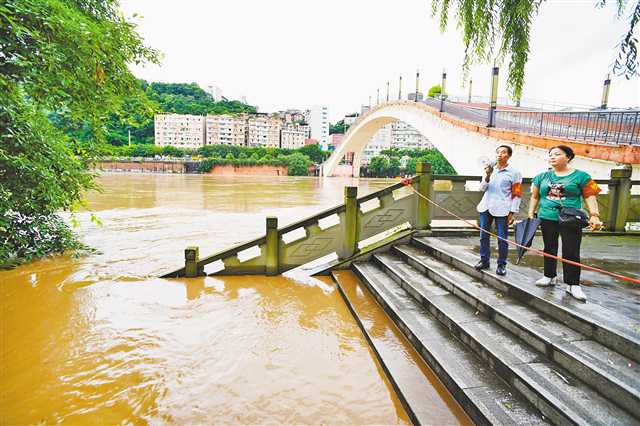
284 129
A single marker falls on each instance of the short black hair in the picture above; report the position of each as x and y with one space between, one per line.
507 147
566 149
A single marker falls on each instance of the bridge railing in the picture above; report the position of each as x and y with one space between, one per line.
597 126
610 127
344 230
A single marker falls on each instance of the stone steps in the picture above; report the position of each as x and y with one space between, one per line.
617 332
614 375
484 396
489 338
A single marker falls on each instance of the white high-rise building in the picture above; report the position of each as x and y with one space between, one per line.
379 142
263 130
404 136
179 130
318 120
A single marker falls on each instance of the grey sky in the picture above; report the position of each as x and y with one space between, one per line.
293 54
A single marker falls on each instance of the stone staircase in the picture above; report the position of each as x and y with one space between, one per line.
509 352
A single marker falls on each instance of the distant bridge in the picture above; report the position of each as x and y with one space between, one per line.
601 139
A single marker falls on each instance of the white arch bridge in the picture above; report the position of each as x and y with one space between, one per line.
462 141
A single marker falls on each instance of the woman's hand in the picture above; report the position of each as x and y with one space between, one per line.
595 224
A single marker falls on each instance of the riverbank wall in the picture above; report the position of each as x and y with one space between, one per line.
141 165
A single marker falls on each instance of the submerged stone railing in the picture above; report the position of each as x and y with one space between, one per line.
343 228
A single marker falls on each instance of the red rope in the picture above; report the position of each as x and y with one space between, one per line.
408 183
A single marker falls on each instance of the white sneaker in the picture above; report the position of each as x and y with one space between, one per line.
547 282
576 292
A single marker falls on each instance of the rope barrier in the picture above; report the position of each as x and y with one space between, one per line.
408 182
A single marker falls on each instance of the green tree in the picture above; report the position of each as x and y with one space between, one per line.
298 165
435 91
379 166
315 153
509 22
394 167
68 56
339 127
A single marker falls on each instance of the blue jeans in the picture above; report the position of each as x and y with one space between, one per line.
486 219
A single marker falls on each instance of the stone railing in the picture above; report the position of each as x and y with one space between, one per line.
342 229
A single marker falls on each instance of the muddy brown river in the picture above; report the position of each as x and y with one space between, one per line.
100 340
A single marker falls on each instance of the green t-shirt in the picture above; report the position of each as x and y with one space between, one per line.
559 191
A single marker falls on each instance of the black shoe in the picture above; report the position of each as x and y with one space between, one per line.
481 265
501 270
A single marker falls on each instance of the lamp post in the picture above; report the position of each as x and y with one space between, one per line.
377 96
443 89
417 84
400 89
494 97
387 91
470 85
605 92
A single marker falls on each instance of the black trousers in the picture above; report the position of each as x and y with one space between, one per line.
571 239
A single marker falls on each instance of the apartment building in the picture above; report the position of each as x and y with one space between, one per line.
378 143
263 130
404 136
226 129
179 130
292 137
318 119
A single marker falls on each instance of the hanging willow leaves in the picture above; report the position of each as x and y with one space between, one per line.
499 30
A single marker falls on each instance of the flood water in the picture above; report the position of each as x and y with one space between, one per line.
100 340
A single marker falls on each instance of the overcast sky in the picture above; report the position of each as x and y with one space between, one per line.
294 54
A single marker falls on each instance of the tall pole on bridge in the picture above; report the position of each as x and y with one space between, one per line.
605 92
443 89
400 89
417 85
494 97
470 85
387 90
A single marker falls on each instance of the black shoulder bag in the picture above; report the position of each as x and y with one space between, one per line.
570 217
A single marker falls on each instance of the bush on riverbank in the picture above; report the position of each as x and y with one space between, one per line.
24 237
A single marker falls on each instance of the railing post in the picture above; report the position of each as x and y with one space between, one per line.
619 199
425 187
272 266
191 258
350 225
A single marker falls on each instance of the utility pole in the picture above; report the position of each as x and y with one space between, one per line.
470 85
387 90
400 89
377 96
417 84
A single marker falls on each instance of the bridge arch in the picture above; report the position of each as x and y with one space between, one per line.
460 142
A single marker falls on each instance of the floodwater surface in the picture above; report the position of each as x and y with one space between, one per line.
100 340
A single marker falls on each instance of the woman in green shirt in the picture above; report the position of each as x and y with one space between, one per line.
563 186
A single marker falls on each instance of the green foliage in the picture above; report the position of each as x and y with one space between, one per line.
387 164
435 91
25 237
495 30
298 165
379 166
315 153
71 57
339 127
